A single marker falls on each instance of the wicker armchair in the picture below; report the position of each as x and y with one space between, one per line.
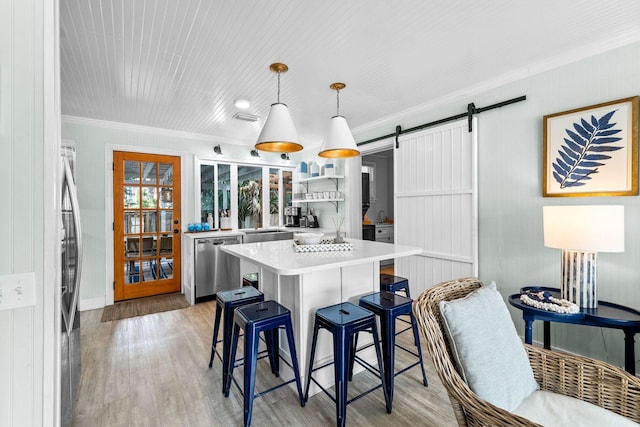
589 380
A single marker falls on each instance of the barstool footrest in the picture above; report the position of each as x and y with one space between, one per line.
368 366
275 387
353 399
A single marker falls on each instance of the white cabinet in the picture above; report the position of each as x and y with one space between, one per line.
384 233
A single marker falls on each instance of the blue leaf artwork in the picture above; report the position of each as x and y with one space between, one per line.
585 150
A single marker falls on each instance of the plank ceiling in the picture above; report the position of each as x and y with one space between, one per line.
180 64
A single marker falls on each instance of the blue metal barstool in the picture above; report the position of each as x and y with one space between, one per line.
266 317
391 283
227 302
344 321
388 306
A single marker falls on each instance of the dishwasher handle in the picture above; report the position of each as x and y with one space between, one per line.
212 242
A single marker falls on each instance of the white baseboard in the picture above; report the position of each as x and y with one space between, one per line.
91 303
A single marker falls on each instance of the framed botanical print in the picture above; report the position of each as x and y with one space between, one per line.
592 151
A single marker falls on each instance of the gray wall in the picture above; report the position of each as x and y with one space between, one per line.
511 249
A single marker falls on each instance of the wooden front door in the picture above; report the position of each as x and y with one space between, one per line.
146 199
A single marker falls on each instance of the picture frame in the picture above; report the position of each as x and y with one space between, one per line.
592 151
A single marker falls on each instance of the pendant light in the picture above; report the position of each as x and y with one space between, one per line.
338 141
278 134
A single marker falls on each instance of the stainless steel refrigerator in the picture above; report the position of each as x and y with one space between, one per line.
71 251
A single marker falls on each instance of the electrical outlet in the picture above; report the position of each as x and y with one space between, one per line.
17 290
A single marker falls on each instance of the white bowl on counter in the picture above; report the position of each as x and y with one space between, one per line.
308 238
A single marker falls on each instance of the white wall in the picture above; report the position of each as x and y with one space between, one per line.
511 249
29 147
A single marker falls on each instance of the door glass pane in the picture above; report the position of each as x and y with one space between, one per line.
145 272
166 245
149 173
131 197
224 196
153 270
131 272
148 246
249 197
287 187
149 197
166 268
166 173
166 220
131 222
274 198
131 171
166 197
132 247
149 221
207 177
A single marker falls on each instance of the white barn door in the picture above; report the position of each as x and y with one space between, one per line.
436 204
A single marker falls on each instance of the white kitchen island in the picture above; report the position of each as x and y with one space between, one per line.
304 282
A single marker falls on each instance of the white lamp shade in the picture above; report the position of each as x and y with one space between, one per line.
584 228
338 141
278 134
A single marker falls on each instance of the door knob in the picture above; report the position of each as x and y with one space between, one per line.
176 231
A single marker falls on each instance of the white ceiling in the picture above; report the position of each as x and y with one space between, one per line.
180 64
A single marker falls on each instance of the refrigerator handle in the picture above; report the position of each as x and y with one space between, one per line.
73 196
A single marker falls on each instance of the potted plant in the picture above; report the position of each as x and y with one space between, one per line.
249 205
273 206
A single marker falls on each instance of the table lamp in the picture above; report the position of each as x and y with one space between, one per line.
581 232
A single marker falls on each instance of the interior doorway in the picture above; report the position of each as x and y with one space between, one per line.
378 201
147 252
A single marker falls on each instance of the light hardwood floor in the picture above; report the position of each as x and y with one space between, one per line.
153 371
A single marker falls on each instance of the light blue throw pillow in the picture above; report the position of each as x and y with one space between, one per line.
487 348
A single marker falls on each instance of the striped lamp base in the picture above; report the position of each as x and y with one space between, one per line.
579 278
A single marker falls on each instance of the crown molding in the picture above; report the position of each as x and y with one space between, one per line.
151 130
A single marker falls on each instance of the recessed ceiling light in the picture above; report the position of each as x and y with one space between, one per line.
243 104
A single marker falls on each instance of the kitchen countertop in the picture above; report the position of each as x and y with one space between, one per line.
215 233
281 258
222 233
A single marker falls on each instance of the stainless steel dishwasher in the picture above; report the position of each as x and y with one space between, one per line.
215 270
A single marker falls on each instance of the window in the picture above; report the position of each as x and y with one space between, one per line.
250 197
243 196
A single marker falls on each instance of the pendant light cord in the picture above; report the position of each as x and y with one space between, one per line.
278 88
337 102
